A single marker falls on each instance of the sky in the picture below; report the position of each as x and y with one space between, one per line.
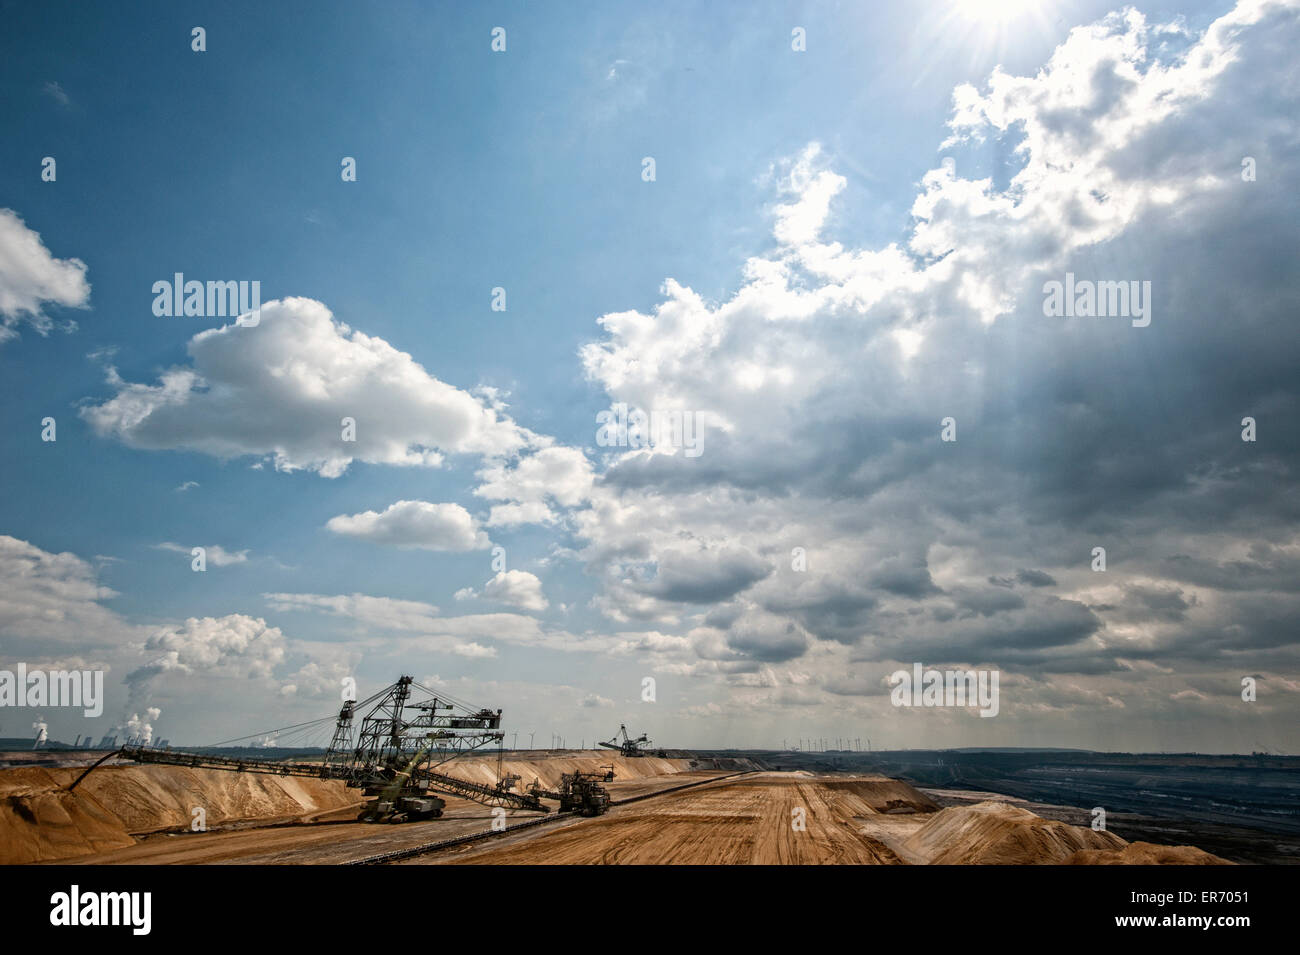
821 234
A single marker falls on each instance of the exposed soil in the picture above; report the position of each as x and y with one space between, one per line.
141 815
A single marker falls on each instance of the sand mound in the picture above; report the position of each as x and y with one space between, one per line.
867 795
1146 853
746 819
40 819
996 833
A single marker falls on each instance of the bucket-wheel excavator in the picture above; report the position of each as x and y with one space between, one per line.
392 757
628 746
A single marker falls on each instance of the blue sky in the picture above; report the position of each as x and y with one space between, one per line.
522 170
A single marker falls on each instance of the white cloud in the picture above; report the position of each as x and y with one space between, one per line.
512 515
554 474
234 645
54 89
435 632
826 375
53 615
283 388
518 588
30 277
321 677
383 612
214 554
474 650
800 222
414 524
50 602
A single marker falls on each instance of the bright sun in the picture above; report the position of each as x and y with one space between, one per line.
984 32
993 11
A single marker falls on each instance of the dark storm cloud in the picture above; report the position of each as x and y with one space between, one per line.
1035 578
767 639
1045 625
704 577
906 577
985 601
1266 568
828 607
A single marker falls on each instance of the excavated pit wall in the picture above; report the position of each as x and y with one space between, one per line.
41 821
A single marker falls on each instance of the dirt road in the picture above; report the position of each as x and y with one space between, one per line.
769 818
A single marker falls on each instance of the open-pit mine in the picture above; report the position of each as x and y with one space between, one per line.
412 777
672 810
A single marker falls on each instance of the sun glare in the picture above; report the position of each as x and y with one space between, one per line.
994 11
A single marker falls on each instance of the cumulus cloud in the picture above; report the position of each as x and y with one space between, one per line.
767 637
30 278
320 678
52 602
282 389
235 645
799 221
826 375
518 588
54 614
558 475
414 524
828 372
703 576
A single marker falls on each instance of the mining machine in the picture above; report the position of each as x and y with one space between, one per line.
393 756
627 746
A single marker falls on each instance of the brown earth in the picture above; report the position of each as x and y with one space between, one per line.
116 804
1145 853
141 814
40 820
751 819
994 833
853 820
